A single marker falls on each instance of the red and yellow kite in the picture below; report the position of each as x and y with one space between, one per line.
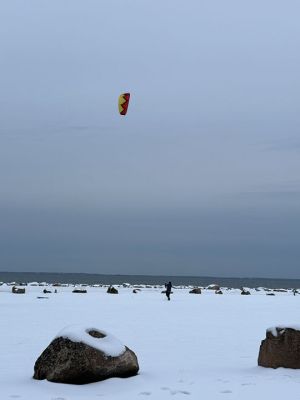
123 103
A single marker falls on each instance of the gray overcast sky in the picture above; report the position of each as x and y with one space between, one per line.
202 177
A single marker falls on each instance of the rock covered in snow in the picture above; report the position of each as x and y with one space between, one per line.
213 286
281 348
81 355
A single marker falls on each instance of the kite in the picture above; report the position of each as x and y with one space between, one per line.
123 103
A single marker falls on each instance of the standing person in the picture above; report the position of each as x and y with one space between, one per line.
168 287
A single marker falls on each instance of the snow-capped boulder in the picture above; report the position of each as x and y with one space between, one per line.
80 355
281 348
213 286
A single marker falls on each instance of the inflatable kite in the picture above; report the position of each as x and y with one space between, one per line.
123 103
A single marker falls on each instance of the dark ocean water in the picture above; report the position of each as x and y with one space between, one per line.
72 278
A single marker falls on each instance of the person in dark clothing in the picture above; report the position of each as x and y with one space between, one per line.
168 287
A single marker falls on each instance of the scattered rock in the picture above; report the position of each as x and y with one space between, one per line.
76 362
218 292
79 291
281 348
270 294
245 292
112 290
16 290
195 291
213 287
134 291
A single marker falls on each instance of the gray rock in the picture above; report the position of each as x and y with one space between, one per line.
79 291
65 361
281 350
16 290
213 287
195 291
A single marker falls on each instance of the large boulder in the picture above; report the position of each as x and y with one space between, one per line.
281 348
83 355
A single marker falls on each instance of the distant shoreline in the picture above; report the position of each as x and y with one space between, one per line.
88 278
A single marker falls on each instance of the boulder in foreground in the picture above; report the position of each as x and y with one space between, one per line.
79 355
281 348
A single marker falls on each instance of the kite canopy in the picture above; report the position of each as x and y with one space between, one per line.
123 103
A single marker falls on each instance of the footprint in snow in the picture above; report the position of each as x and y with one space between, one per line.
226 391
172 392
247 383
14 396
145 393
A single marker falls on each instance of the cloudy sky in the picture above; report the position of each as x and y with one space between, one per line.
202 177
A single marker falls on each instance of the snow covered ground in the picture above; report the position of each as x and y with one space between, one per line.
193 347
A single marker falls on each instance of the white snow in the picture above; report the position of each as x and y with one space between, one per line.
273 329
191 347
109 345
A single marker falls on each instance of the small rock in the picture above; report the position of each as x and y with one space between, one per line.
112 290
195 291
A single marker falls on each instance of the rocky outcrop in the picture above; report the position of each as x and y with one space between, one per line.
112 290
281 348
75 362
195 291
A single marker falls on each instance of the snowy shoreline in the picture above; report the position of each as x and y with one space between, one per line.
204 344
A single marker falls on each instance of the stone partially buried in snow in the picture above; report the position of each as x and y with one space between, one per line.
213 286
195 291
80 355
281 348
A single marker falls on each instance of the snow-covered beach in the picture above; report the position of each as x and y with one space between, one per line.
195 346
